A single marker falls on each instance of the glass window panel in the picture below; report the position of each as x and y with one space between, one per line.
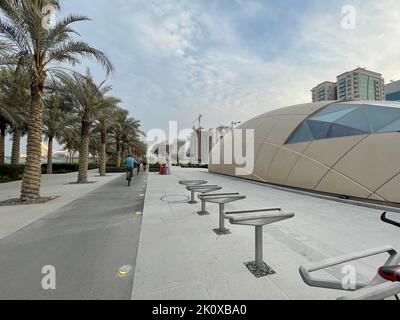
393 127
381 117
332 117
336 107
356 119
338 131
318 129
302 134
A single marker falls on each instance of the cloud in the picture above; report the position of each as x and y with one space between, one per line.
233 60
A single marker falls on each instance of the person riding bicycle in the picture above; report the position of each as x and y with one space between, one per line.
129 164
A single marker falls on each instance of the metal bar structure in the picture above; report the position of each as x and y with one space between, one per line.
222 201
202 198
258 219
201 189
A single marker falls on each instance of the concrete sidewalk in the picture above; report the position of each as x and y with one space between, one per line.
86 241
181 258
14 218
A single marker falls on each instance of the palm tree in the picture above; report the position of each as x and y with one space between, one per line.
88 100
103 124
57 117
130 136
123 129
39 48
120 117
3 129
14 84
70 138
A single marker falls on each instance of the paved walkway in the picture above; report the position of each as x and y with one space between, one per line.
87 241
14 218
181 258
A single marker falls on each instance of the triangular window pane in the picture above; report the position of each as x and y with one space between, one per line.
302 134
381 117
393 127
318 129
338 131
336 107
357 120
332 117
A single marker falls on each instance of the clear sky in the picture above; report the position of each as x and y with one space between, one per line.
232 59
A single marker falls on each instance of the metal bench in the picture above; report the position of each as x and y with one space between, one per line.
192 182
202 198
201 189
222 201
258 219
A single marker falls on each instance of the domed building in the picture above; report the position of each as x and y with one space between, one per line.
349 149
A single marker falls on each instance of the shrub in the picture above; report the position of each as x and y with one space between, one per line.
154 167
62 168
9 173
195 166
115 170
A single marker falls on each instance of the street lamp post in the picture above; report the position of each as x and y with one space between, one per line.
233 124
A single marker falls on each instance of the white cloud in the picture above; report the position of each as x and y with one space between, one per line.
178 58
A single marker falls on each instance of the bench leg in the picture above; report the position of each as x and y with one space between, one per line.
203 211
222 231
259 247
258 267
192 201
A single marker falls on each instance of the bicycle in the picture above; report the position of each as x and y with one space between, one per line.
130 176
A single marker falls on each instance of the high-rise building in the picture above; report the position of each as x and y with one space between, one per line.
325 91
392 91
361 84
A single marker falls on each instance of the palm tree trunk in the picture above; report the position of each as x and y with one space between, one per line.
123 152
49 169
103 154
2 142
16 146
118 158
84 153
31 182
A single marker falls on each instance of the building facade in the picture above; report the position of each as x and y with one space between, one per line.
346 149
392 91
325 91
361 84
356 85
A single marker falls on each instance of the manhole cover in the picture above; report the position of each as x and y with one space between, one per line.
175 199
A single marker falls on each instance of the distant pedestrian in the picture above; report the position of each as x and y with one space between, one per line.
144 164
138 163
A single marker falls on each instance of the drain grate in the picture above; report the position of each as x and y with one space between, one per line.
265 271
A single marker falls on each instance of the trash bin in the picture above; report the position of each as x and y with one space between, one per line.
163 170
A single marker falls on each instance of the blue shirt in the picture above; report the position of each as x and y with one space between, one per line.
130 163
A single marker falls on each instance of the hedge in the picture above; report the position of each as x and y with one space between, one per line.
9 173
115 170
154 167
195 166
61 168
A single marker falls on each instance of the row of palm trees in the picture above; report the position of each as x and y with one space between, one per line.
40 96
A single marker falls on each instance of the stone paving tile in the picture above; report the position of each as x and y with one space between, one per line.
179 253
